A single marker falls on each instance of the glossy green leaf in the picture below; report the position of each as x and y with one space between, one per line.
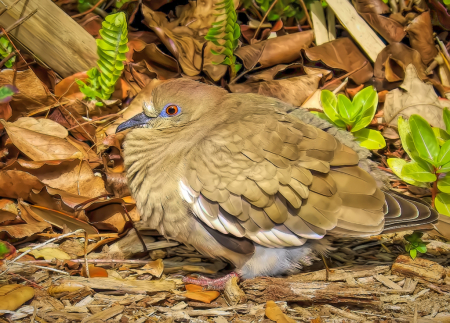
446 117
441 135
422 248
345 108
396 165
424 139
7 92
329 104
444 184
369 138
417 173
443 169
366 100
413 253
442 203
444 154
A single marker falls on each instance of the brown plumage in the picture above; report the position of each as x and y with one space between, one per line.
253 180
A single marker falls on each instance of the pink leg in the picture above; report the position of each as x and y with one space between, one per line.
209 283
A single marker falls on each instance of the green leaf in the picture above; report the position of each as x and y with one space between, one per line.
366 101
424 139
444 154
396 165
444 184
413 253
442 203
329 104
443 169
237 67
6 249
446 117
422 248
414 237
417 173
441 135
6 93
345 108
369 138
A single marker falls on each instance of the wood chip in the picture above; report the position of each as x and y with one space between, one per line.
387 282
232 293
104 315
343 313
419 267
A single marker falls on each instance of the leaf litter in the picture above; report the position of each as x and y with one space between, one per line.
68 246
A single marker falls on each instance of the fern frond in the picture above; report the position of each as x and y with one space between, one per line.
111 50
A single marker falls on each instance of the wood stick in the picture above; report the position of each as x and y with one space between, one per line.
331 22
51 35
361 32
320 24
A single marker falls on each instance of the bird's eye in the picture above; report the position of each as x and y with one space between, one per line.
171 110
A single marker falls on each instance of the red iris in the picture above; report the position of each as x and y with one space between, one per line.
171 110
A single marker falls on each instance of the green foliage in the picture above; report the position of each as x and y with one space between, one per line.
111 50
429 150
415 244
84 5
120 3
225 34
6 48
6 93
354 116
6 249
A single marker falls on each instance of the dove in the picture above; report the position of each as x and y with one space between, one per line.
254 181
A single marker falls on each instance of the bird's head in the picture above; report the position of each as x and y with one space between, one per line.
175 103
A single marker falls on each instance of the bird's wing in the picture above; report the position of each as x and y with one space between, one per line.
280 182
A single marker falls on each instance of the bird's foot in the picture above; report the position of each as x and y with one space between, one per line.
210 283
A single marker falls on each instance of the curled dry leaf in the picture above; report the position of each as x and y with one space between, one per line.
66 287
59 219
342 54
38 146
13 296
414 97
8 210
282 71
279 50
16 184
294 90
393 60
69 118
420 32
94 271
73 176
372 11
31 96
439 14
274 313
111 217
163 65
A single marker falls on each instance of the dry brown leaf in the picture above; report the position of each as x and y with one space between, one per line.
92 23
279 50
342 54
204 296
420 32
24 230
94 271
193 288
58 218
155 268
13 296
73 176
402 56
439 14
372 11
39 146
43 126
16 184
274 313
5 112
110 217
47 253
414 97
31 96
69 86
8 210
163 65
294 90
69 118
67 287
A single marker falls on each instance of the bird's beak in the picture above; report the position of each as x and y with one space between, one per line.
138 120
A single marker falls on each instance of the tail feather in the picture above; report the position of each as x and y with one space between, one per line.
407 213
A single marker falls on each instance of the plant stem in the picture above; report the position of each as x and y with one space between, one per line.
434 192
264 18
